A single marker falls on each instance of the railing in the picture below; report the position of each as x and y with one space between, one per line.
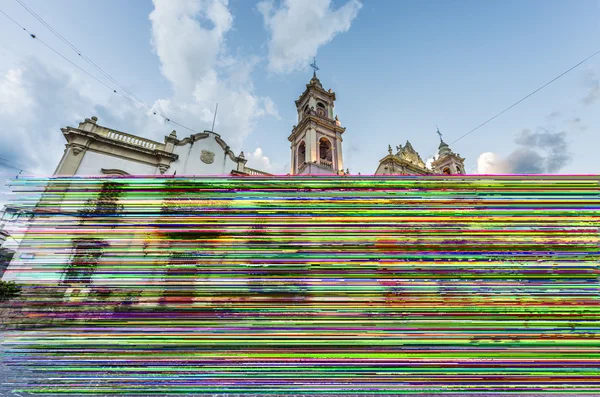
252 171
130 139
326 164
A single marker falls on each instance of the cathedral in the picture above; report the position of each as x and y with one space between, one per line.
315 148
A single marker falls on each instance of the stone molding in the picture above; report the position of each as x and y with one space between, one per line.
312 121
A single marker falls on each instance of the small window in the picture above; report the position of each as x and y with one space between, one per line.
446 171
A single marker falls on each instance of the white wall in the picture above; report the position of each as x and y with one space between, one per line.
93 163
189 162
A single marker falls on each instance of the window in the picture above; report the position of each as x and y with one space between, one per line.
446 171
301 154
325 150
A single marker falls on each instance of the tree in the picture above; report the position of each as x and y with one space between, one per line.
8 290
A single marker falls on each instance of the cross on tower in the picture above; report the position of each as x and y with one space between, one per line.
314 66
439 133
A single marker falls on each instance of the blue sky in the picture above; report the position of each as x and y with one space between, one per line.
398 69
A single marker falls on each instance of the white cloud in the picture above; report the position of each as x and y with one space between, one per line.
430 160
299 28
259 161
14 96
40 100
526 158
189 39
490 163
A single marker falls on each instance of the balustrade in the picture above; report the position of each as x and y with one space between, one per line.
132 140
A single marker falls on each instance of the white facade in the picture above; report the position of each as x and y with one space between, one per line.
93 163
94 150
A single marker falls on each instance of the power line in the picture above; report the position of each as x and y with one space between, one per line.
13 162
135 100
77 51
7 163
522 99
525 97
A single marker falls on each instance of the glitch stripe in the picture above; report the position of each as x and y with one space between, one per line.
311 286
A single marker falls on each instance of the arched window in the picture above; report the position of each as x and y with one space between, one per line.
458 170
446 171
325 149
321 111
301 154
306 109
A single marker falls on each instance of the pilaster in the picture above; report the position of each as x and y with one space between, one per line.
311 136
338 152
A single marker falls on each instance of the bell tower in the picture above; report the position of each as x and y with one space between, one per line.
448 162
316 142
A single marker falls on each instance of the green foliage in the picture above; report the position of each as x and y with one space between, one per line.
8 290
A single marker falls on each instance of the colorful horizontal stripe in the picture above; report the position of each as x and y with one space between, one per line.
313 286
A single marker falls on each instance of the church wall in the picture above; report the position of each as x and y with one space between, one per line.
190 162
92 164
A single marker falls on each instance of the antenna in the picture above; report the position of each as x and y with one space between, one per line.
215 118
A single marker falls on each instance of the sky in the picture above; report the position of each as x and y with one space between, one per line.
399 68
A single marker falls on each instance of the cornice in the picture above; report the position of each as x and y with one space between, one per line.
192 138
313 87
94 137
227 149
404 163
316 120
442 160
206 134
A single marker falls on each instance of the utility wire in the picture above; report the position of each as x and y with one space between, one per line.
7 163
521 100
525 97
13 162
77 51
135 101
